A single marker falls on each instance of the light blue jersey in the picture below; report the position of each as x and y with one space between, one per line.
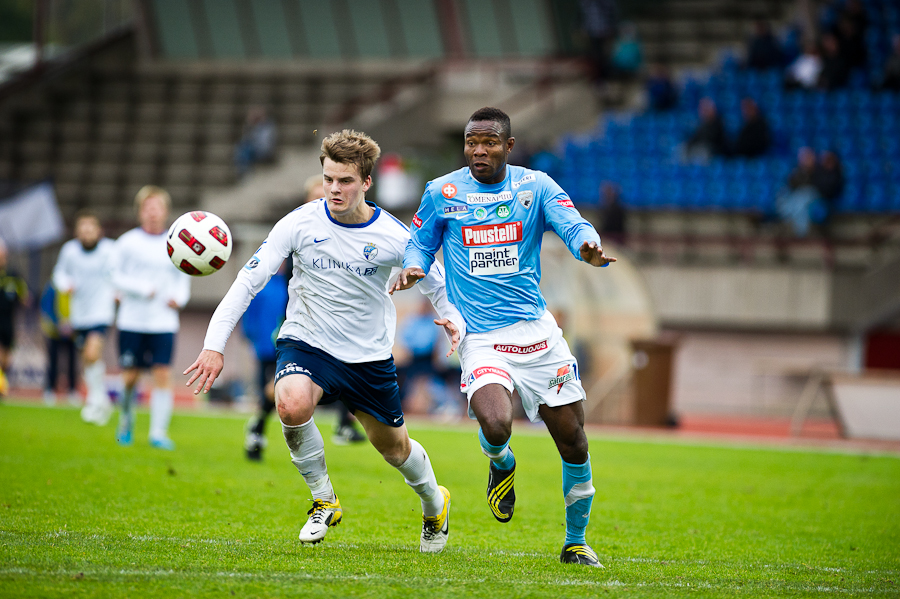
491 235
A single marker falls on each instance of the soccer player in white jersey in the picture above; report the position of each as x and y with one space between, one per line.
83 271
151 292
490 218
335 343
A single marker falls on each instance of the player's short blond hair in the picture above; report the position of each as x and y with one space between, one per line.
351 147
152 190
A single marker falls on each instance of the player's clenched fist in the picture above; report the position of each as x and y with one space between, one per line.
208 366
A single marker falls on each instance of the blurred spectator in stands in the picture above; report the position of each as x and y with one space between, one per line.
422 388
794 202
835 67
754 138
852 43
58 333
708 138
890 77
544 160
855 12
599 20
661 94
257 143
805 70
828 179
612 212
763 49
627 55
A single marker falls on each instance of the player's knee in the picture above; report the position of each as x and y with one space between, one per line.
292 409
576 450
497 432
395 452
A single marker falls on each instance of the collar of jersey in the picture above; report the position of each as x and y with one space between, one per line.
489 186
356 225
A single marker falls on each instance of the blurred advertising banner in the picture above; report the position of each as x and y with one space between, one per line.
30 218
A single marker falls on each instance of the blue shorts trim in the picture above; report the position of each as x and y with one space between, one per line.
80 335
370 387
143 350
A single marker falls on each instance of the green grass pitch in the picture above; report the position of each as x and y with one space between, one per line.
82 517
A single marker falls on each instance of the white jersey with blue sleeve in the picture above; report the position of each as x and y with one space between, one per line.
491 235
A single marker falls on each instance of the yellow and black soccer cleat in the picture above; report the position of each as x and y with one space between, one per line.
501 495
321 515
579 553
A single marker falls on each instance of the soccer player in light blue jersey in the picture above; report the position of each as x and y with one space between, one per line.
490 218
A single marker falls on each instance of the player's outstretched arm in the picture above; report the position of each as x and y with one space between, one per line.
593 254
407 278
452 332
208 366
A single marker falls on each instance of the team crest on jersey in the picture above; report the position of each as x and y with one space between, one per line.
525 198
526 179
567 373
370 251
448 191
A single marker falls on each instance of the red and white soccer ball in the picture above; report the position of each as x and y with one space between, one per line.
199 243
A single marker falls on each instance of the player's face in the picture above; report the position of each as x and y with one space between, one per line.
153 215
486 151
345 191
87 231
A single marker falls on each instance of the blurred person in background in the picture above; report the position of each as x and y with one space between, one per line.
708 139
805 70
151 293
627 56
58 334
795 201
420 337
835 67
828 179
612 212
599 21
754 137
852 43
763 49
82 273
661 92
257 144
890 76
13 294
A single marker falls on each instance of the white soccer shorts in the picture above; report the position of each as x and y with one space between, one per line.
530 356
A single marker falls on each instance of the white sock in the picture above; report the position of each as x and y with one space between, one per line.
419 475
308 454
160 413
95 381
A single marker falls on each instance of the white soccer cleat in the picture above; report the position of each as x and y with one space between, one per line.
321 515
436 529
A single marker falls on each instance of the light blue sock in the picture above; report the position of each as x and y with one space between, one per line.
502 457
579 493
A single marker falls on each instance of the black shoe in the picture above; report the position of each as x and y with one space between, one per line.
579 553
501 496
254 445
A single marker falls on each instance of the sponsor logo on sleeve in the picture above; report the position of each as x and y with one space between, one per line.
448 191
456 211
253 263
521 350
494 261
370 251
503 211
566 202
526 179
478 235
488 198
417 221
525 198
567 373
